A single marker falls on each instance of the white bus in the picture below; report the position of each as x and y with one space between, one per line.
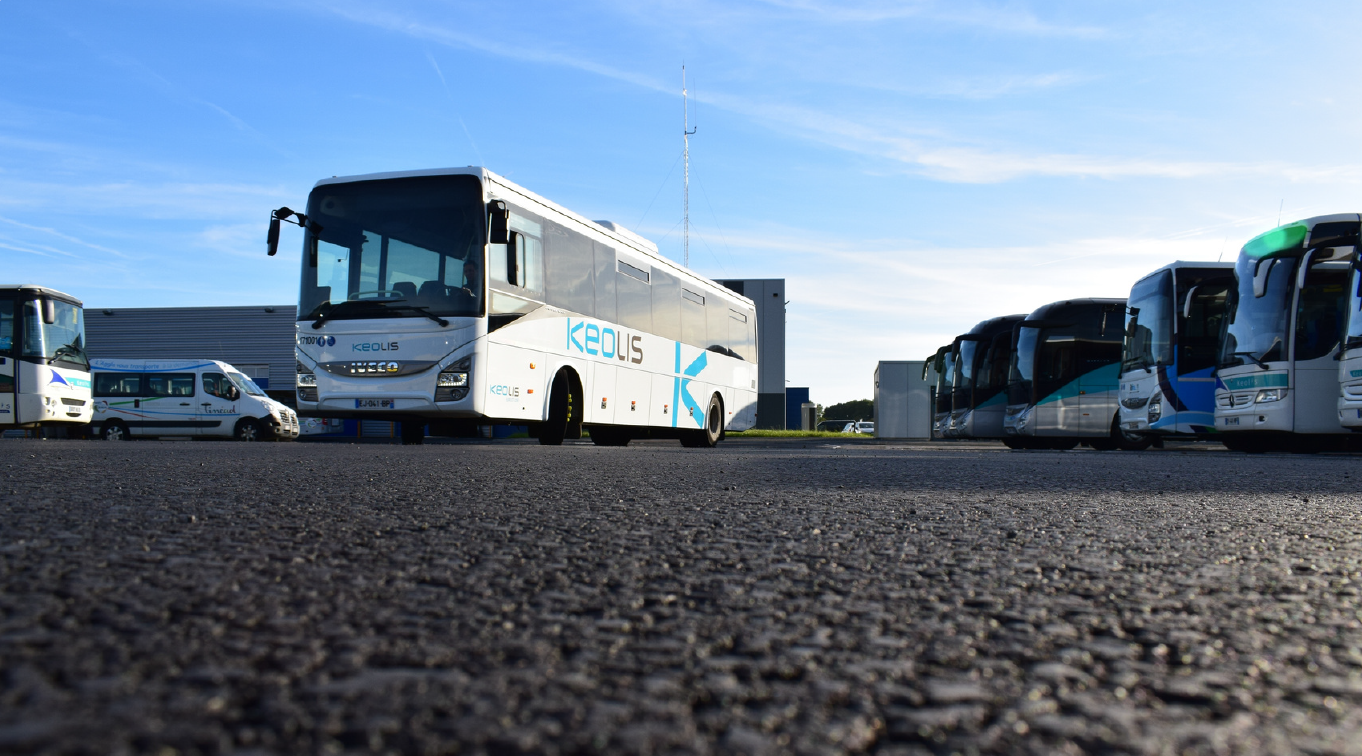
1350 360
1062 385
44 373
979 393
1277 382
1174 317
453 298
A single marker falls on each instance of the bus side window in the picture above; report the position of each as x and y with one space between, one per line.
1319 313
569 262
716 324
170 384
6 327
216 384
666 305
605 284
118 384
693 318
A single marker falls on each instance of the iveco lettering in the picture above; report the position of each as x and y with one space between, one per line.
479 302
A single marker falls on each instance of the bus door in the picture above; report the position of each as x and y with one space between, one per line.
1098 357
1202 314
1320 307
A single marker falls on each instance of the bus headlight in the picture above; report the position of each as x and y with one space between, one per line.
452 380
1155 408
306 384
451 384
1270 395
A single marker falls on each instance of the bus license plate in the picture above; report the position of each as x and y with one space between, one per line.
1231 421
375 404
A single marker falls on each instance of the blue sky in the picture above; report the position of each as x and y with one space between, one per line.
910 168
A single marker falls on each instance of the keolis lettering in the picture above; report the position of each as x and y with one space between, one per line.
604 341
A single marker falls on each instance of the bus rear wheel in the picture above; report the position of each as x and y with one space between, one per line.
248 430
707 437
114 431
565 411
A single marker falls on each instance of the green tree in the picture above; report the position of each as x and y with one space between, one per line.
859 409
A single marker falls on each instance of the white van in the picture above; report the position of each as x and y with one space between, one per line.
198 398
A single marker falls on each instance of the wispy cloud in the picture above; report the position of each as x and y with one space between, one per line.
60 235
992 16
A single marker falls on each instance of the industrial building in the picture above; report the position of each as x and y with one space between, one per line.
768 294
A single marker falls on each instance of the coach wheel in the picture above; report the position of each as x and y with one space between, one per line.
413 434
606 435
114 431
708 436
248 430
565 414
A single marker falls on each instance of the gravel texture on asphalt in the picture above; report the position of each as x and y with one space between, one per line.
176 598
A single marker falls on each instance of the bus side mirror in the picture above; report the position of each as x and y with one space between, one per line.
49 311
1187 306
272 238
498 226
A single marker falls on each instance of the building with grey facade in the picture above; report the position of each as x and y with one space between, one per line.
258 341
768 294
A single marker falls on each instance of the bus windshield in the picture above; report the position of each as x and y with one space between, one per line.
944 382
965 363
61 342
1023 366
1355 310
1149 324
409 247
1256 326
246 384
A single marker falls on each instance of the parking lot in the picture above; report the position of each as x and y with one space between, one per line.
764 597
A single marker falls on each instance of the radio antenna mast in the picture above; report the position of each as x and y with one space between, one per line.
686 131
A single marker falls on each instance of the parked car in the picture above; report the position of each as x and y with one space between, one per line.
837 426
865 426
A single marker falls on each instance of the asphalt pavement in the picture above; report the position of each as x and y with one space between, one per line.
764 597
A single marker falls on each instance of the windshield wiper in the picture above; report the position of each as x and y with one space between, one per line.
66 349
424 311
322 318
1254 356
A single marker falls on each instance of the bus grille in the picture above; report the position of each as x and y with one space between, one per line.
1135 402
72 402
1234 399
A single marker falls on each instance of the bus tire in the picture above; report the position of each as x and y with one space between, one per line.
609 435
248 430
114 431
565 411
413 434
708 436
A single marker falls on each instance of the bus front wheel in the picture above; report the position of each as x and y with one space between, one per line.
708 436
248 430
565 411
114 431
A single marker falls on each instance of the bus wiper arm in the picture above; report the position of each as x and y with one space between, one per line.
1254 356
322 318
424 311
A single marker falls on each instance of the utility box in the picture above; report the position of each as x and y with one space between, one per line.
903 400
795 397
808 416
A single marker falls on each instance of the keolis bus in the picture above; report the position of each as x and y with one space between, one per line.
1277 382
453 298
44 372
1062 386
1172 333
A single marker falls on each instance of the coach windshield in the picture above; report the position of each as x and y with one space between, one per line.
394 248
1258 315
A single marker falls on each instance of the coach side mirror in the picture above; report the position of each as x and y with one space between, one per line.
499 221
49 311
272 238
1187 305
